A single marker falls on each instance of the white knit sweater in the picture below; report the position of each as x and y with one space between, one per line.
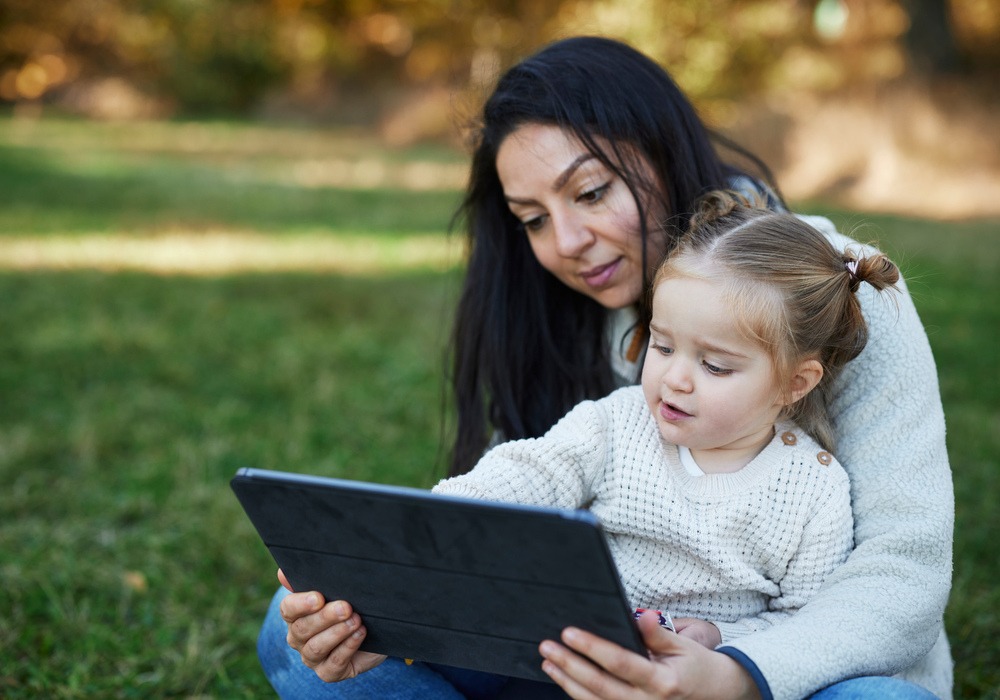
742 550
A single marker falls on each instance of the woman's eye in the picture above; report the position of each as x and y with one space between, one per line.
595 195
533 224
714 369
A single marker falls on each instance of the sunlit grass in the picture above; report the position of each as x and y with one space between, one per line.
288 327
224 252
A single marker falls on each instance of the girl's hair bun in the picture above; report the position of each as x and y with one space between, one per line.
719 204
877 270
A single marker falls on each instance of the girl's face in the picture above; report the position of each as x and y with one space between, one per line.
709 388
581 220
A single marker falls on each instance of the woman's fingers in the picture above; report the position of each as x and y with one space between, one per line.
295 606
631 668
574 674
321 629
326 635
318 636
333 654
284 581
589 667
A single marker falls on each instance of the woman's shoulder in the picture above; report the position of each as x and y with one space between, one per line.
838 240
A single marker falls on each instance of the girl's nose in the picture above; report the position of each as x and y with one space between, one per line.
677 376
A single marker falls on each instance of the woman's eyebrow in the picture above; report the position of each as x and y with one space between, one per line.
560 181
566 174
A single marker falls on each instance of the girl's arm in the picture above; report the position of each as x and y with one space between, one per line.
558 469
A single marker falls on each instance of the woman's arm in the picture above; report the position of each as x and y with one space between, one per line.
881 611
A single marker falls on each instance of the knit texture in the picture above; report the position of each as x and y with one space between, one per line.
742 550
881 613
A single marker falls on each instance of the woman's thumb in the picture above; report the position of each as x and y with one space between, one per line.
659 640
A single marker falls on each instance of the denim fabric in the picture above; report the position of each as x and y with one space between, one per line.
882 687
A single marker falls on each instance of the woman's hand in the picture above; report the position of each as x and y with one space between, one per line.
326 635
591 668
701 631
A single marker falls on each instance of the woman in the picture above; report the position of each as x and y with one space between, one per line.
587 168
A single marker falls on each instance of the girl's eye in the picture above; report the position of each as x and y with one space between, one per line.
718 371
662 349
595 195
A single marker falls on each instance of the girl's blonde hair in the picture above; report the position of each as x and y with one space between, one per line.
792 292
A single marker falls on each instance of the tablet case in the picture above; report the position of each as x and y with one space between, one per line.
436 578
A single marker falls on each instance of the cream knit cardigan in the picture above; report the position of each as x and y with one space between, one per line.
881 612
742 550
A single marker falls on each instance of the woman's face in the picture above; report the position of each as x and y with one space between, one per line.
581 220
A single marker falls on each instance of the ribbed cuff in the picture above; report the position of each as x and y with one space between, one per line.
750 667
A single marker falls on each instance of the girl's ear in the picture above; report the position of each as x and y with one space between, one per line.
806 377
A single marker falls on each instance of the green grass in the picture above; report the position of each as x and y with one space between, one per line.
128 399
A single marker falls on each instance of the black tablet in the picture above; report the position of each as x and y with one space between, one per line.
436 578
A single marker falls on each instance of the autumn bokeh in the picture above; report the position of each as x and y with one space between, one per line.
878 104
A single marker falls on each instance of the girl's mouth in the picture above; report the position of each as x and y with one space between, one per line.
672 413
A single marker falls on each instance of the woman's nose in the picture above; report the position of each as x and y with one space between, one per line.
572 236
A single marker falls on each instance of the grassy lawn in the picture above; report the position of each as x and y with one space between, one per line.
132 389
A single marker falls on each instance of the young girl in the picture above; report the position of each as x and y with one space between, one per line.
714 480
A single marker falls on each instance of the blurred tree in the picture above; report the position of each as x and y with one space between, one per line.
930 41
360 57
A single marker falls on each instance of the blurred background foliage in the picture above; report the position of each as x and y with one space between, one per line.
882 105
355 60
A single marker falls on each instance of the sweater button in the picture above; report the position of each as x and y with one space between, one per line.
824 458
789 438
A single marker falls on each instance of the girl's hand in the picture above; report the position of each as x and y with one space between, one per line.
326 635
591 668
701 631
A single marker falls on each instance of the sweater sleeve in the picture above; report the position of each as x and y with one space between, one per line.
827 539
881 611
559 469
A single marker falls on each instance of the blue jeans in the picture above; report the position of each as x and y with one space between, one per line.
881 687
393 678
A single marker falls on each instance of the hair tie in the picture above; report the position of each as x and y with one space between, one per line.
852 268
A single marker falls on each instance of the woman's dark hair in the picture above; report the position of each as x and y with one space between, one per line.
526 348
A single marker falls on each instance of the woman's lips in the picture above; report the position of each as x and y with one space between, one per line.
600 275
672 413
